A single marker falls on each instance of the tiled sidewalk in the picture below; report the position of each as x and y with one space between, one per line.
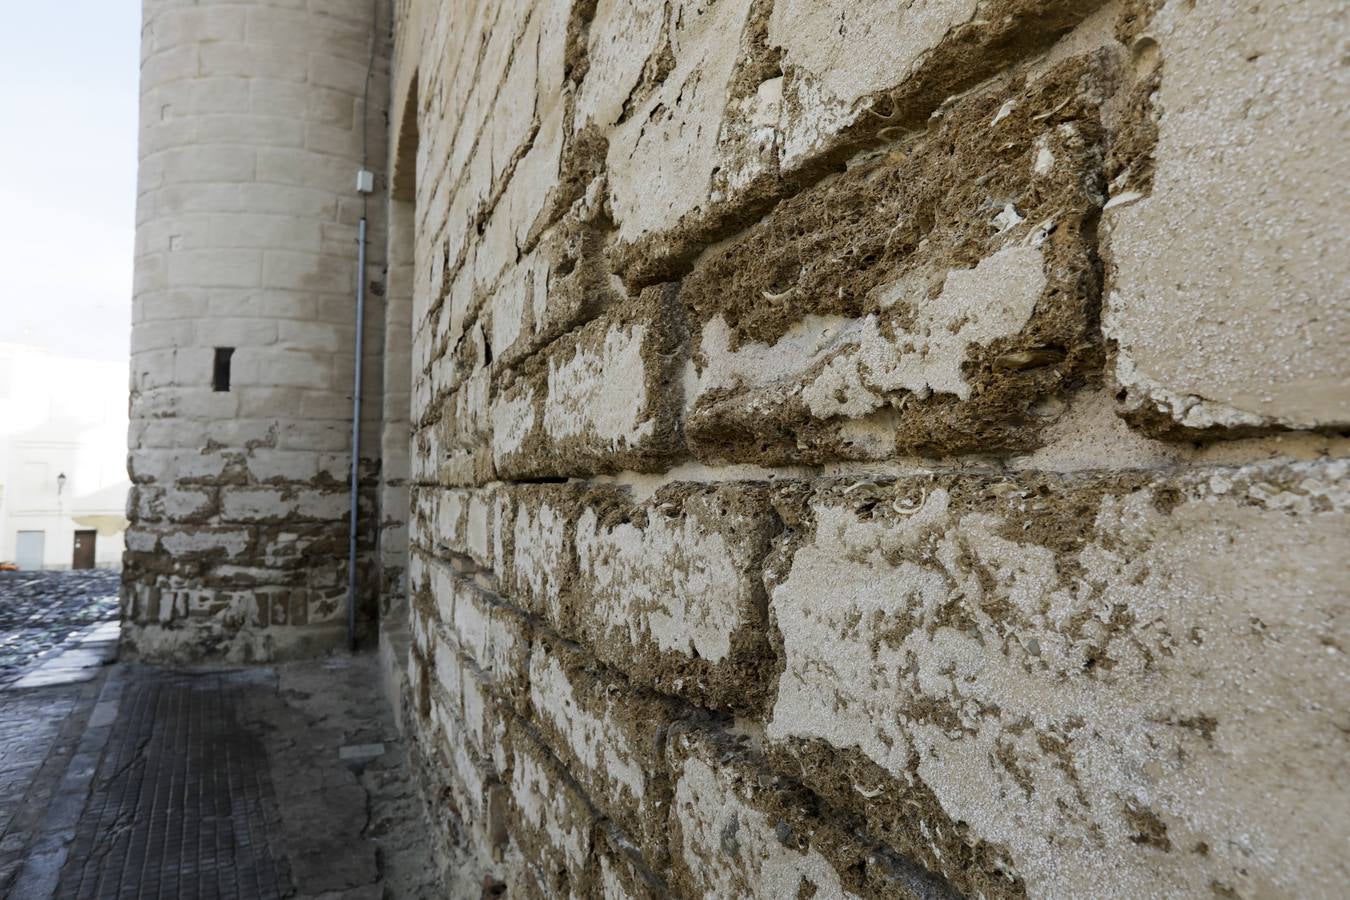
183 805
285 781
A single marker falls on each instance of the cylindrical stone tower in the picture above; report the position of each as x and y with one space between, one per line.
256 116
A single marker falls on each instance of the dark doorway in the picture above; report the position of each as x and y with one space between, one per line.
84 549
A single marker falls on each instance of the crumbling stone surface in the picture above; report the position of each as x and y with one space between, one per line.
809 470
1093 650
927 300
788 518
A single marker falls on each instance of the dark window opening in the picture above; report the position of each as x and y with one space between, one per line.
220 376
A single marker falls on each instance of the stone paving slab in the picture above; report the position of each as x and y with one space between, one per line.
90 649
40 733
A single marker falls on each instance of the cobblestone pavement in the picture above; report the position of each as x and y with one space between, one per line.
286 781
41 612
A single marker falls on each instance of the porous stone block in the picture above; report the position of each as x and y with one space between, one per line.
496 636
539 568
1226 240
1103 684
755 100
668 590
602 398
609 736
847 65
620 871
457 521
663 156
551 820
929 300
477 794
739 830
559 286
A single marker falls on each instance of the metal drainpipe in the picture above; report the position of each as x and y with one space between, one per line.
365 185
356 431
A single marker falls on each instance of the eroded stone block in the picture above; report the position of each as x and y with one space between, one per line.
599 399
738 830
773 95
925 301
1119 684
609 736
668 590
550 819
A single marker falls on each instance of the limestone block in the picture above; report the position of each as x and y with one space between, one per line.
315 435
475 788
214 268
458 521
775 94
267 504
219 164
179 25
343 38
540 563
449 671
621 872
177 465
516 109
172 63
196 544
308 271
245 60
189 505
496 636
483 714
669 592
161 335
930 300
560 285
550 819
846 63
282 466
1105 684
621 45
736 830
661 159
1238 320
280 367
601 398
608 736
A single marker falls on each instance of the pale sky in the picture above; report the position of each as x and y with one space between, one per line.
68 87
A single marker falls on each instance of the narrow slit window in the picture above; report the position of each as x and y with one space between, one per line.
220 375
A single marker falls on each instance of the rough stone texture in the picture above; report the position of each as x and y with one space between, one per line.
668 590
1102 684
796 411
927 300
781 527
252 123
1250 109
738 830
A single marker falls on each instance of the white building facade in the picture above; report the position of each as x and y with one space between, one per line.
63 481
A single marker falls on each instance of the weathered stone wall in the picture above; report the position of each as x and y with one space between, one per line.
871 449
253 121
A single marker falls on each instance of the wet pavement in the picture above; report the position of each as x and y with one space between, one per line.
128 780
41 613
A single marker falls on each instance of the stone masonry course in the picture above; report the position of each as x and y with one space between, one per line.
815 449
